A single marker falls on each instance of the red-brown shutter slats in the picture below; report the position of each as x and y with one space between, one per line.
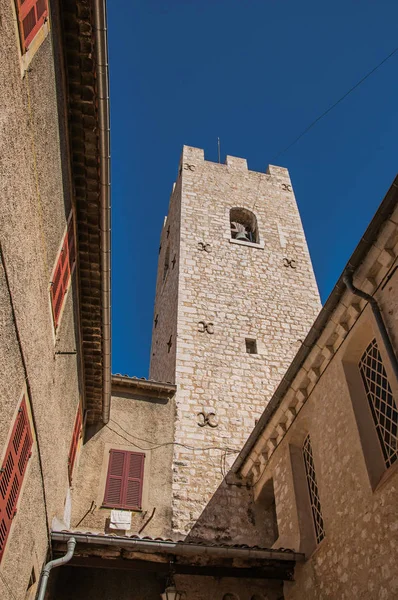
114 482
13 471
31 16
134 480
77 429
62 272
124 480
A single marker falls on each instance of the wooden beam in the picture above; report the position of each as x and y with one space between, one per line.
282 570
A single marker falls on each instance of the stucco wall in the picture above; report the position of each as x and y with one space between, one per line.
35 204
138 425
358 554
245 291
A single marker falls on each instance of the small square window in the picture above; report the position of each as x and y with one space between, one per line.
251 346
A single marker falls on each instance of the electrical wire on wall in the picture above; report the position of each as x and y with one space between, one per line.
29 392
163 444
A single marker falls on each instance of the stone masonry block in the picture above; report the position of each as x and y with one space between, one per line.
236 164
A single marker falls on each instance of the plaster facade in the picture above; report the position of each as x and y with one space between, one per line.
213 293
36 202
139 423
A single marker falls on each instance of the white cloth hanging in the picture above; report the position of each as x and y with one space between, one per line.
120 519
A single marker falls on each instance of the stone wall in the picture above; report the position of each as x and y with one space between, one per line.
358 554
227 292
164 331
35 203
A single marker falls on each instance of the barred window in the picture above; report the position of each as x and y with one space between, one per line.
313 490
381 402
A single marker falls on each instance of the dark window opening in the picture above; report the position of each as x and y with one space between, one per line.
267 512
251 346
166 263
243 225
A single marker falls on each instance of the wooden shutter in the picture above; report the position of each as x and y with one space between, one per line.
13 470
62 271
31 16
134 480
77 430
124 480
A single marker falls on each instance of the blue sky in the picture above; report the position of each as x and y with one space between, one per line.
255 73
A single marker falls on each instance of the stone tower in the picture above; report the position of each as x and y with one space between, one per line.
235 296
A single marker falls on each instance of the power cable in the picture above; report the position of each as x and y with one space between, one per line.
156 446
334 105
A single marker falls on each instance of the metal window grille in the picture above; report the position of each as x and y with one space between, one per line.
381 402
313 490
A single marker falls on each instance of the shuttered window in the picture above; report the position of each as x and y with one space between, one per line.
31 16
63 271
13 470
77 430
124 480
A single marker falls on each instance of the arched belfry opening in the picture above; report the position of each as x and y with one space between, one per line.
243 225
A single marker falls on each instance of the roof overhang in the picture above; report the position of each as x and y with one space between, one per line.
87 91
191 558
142 387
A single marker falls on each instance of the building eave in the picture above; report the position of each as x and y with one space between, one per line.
198 558
386 209
137 385
87 90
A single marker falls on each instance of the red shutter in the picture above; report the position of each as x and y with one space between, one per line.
134 480
124 480
77 430
13 471
114 480
31 16
62 272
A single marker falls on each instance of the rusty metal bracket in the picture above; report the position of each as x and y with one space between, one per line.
204 247
208 419
208 327
289 262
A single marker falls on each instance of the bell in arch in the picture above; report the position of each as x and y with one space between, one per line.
240 231
242 235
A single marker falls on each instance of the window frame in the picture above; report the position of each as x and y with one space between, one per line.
249 215
10 464
74 445
313 490
369 441
123 505
23 9
381 372
65 261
